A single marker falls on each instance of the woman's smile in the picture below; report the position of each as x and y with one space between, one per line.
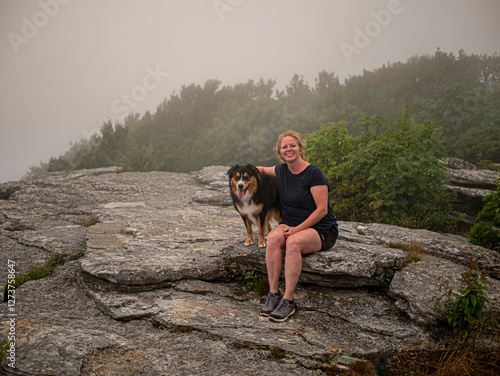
289 147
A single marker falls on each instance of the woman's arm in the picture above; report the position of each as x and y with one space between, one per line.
320 196
269 171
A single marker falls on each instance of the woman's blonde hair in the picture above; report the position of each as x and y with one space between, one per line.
300 144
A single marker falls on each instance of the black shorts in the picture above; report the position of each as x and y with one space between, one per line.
328 237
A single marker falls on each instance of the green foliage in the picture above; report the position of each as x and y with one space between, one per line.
491 209
212 124
390 173
488 234
252 280
469 119
76 256
4 346
464 309
484 235
37 271
57 259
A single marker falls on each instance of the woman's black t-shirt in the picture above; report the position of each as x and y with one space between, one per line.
297 199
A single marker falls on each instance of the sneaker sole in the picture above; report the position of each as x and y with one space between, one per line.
283 319
264 314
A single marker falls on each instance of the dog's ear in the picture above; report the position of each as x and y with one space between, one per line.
252 167
231 170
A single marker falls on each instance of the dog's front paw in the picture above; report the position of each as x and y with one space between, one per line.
249 242
262 245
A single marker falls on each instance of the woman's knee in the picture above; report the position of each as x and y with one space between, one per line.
293 245
275 239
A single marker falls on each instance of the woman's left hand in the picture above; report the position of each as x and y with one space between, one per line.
289 231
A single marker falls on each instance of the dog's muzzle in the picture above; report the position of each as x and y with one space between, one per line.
241 191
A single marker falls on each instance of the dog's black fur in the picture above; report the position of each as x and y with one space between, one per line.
255 196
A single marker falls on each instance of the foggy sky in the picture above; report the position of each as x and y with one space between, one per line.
68 65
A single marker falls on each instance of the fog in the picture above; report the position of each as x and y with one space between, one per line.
68 65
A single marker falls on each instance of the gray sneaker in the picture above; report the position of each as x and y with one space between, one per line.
283 311
273 299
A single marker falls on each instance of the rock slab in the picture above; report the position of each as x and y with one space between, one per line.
151 295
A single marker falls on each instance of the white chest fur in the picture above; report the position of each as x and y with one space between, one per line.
250 210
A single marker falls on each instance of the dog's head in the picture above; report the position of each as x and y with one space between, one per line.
243 180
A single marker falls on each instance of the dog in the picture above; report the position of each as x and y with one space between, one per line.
255 196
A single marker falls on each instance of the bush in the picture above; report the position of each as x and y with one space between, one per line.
485 234
464 310
390 173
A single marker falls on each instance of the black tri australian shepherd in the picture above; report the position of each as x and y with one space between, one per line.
255 196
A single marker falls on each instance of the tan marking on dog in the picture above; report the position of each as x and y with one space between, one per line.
249 239
253 186
234 183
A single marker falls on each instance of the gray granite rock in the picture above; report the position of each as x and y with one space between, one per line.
473 178
415 287
458 164
152 284
470 185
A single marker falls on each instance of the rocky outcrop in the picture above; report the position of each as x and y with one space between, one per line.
153 293
471 185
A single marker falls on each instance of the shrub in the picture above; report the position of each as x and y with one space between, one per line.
484 234
463 309
390 173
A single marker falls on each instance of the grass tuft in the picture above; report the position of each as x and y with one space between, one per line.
37 271
88 221
415 252
251 279
182 329
457 360
276 353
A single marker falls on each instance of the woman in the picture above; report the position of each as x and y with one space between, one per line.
308 223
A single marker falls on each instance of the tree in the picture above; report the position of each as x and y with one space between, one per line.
215 124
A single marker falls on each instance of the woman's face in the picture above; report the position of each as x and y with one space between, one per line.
289 149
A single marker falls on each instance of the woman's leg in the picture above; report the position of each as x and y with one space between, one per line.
274 256
301 243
